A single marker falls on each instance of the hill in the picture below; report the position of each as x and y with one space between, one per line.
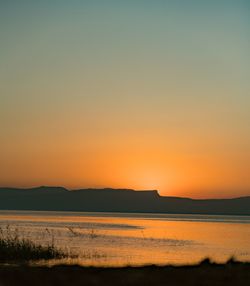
115 200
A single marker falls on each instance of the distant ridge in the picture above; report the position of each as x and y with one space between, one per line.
115 200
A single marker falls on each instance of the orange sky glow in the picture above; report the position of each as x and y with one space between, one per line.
126 95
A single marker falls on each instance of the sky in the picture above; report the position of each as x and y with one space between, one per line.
126 94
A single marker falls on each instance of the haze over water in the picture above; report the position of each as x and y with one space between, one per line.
120 239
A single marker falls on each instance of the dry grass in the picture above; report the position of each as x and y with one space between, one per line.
13 247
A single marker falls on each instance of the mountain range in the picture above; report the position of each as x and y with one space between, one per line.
116 200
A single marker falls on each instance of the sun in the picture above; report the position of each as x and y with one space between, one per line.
148 179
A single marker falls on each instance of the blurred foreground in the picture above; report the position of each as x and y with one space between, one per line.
206 273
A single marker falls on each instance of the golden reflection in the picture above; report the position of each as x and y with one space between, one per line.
109 239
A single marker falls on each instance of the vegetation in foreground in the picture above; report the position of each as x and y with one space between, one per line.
205 274
13 247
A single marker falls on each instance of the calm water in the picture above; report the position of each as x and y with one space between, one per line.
135 239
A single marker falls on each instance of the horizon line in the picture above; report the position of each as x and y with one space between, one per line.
125 189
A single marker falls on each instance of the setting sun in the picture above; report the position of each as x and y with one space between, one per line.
125 142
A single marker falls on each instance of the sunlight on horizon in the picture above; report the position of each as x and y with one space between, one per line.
135 94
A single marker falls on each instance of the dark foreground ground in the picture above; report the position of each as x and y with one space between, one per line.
231 273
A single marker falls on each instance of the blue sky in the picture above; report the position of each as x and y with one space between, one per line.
172 76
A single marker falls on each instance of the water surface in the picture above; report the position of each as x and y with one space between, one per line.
112 239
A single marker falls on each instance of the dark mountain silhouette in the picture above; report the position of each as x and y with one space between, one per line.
115 200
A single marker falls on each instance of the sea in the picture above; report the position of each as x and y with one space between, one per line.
121 239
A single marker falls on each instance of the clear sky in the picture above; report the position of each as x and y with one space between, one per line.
136 94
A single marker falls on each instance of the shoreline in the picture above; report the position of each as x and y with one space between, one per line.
204 273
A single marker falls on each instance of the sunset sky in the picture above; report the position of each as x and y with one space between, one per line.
126 94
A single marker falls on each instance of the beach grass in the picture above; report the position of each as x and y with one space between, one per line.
13 248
